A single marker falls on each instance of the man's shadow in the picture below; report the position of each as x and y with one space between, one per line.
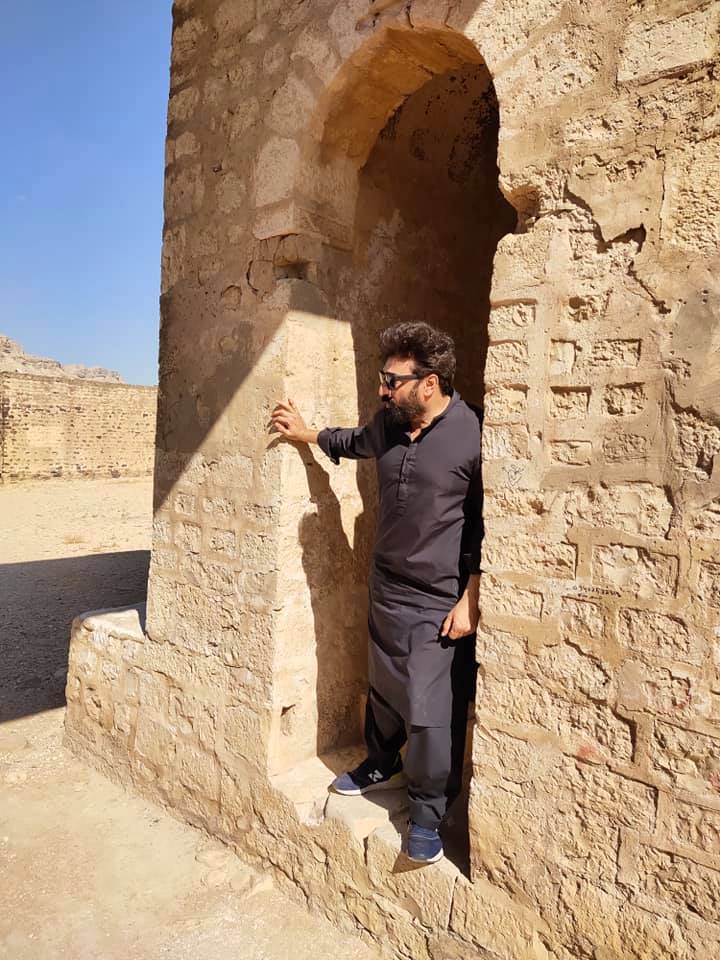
336 574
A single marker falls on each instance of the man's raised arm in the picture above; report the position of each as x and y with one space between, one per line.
354 443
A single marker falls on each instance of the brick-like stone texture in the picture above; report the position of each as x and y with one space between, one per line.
304 212
70 428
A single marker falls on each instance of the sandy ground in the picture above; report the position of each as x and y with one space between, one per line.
87 870
65 547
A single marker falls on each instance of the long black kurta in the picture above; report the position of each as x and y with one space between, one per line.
428 543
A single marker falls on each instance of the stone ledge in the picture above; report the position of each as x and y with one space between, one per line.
125 623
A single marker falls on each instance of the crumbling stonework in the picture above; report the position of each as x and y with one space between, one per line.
71 428
331 165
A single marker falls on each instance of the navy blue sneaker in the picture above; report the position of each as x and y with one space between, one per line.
367 777
423 845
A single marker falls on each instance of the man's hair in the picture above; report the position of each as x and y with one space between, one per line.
431 350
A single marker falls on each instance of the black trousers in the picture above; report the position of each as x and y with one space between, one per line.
434 758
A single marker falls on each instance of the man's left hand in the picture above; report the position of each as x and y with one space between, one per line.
462 619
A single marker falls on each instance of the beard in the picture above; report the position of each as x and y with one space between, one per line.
403 413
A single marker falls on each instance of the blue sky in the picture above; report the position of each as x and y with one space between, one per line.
84 97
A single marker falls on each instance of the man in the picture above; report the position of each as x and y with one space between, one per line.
424 579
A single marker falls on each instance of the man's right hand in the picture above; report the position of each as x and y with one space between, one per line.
288 422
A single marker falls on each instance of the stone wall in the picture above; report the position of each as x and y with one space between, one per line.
595 800
70 428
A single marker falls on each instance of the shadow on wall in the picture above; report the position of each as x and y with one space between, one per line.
211 339
337 579
38 602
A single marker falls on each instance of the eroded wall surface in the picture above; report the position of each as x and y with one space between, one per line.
595 802
61 427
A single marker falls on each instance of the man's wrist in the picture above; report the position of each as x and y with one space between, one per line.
473 585
309 435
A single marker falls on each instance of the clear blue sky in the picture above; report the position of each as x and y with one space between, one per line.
84 97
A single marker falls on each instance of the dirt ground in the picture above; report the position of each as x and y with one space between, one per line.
87 870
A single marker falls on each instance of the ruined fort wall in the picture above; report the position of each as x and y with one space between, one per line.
60 427
594 809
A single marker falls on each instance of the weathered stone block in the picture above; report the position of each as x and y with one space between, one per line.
525 554
709 583
696 826
569 403
624 401
500 652
506 599
233 18
185 504
652 47
493 921
427 898
581 622
291 107
154 741
615 353
275 170
223 541
188 536
695 444
639 508
501 443
624 447
687 759
691 208
634 570
570 670
184 192
679 882
230 193
520 505
506 405
706 522
507 360
574 453
183 105
511 316
562 356
654 689
198 771
591 732
658 635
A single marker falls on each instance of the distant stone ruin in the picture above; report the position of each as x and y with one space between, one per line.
69 421
13 359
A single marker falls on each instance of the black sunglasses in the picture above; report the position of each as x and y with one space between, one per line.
392 380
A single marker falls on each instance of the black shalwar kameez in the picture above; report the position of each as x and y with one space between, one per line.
428 543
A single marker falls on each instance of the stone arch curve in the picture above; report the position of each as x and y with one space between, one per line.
316 172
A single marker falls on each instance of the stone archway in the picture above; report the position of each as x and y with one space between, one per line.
414 234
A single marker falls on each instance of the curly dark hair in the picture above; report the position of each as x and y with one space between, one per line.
432 351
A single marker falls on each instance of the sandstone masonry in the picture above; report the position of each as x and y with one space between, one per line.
332 165
70 428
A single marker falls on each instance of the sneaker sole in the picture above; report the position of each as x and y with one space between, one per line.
438 856
393 783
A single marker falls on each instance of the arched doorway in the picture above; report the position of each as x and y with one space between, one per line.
409 182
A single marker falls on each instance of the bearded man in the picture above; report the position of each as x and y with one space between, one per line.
424 579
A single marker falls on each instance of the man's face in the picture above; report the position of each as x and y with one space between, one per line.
403 403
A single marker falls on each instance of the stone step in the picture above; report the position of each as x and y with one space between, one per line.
306 784
366 814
